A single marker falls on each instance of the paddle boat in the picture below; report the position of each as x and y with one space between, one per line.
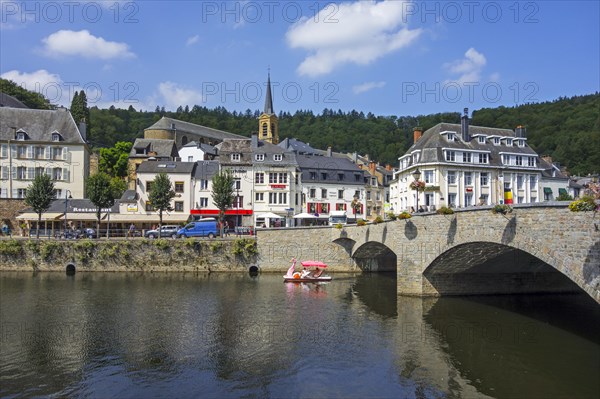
312 272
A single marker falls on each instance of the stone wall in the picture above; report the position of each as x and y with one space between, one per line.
9 210
128 255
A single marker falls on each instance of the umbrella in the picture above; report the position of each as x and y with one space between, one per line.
305 216
268 215
309 263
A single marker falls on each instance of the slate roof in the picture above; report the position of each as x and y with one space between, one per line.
129 197
332 167
248 152
166 167
10 101
432 142
163 148
550 171
206 169
299 147
191 128
39 124
207 148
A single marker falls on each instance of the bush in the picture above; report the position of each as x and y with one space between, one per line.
404 215
378 220
564 197
245 247
502 209
361 222
339 226
10 248
444 210
584 204
391 216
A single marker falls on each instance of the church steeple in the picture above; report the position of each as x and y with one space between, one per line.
267 121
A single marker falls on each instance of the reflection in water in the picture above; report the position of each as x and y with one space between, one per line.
183 335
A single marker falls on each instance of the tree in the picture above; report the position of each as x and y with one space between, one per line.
79 108
101 192
113 161
39 196
30 98
160 196
222 193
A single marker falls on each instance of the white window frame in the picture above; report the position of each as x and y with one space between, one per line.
277 157
235 157
259 157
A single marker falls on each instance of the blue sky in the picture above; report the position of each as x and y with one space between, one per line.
385 57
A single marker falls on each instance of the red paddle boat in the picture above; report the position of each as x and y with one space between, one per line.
312 272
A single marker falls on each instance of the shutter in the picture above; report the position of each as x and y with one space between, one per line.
5 173
30 173
66 174
4 151
14 172
65 154
3 193
15 192
13 151
48 152
30 152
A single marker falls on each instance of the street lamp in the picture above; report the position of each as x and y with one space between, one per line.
417 175
67 198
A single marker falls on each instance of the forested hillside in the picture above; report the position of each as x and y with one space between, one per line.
568 129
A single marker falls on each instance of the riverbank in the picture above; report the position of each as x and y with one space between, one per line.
160 255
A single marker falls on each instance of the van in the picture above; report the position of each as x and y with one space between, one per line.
202 228
338 217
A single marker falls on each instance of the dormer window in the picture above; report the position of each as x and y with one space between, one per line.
21 135
481 139
260 157
509 142
496 140
521 143
235 157
451 137
277 157
56 136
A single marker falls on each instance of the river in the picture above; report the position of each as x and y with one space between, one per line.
232 335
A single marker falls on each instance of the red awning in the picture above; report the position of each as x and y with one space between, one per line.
215 212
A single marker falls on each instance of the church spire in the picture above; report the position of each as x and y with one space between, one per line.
269 98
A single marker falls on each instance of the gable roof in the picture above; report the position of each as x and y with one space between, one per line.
166 167
163 148
165 123
39 124
10 101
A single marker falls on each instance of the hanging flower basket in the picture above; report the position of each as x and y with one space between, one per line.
418 185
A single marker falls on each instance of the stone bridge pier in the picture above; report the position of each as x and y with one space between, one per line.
539 248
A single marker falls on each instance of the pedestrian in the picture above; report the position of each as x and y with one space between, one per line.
131 230
6 230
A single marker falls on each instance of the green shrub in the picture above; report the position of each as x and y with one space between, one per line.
564 197
361 222
584 204
10 248
404 215
502 209
216 246
338 226
378 220
391 216
161 243
49 248
245 247
444 210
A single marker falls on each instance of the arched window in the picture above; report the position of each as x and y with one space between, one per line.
184 140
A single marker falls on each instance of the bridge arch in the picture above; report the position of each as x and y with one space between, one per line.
483 267
373 256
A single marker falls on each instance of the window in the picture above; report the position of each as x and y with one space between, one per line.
483 199
178 206
272 178
259 196
368 195
203 184
324 208
483 158
530 161
468 178
520 182
323 176
468 199
452 200
509 142
39 152
451 177
532 183
4 152
428 176
519 160
57 152
323 193
356 177
190 158
340 176
238 201
237 184
451 137
450 156
312 193
149 207
149 186
278 198
259 178
340 194
259 157
55 137
313 175
57 174
21 193
521 143
496 140
265 129
277 157
21 136
203 202
340 207
178 186
484 178
283 177
373 181
505 159
378 196
21 173
481 139
235 157
21 152
467 157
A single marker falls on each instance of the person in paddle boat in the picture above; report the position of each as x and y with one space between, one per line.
305 273
318 273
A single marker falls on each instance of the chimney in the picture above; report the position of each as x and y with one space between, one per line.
417 133
354 157
521 131
388 167
372 167
83 128
329 151
547 158
464 124
254 140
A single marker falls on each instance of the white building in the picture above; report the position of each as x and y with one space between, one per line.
196 151
34 142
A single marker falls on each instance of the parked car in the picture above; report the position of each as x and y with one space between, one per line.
87 233
168 230
202 228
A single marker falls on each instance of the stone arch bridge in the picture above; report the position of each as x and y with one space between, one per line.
469 252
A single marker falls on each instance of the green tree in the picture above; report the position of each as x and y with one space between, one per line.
102 194
160 196
39 196
222 193
30 98
113 161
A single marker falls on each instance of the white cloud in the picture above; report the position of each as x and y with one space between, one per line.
192 40
34 81
469 68
356 33
362 88
175 95
84 44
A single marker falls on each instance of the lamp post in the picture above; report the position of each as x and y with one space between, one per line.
417 175
67 198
